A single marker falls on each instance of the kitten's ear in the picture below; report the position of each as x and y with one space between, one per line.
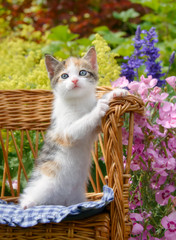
51 64
91 57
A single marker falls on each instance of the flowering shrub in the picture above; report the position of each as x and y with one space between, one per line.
153 163
108 70
22 64
152 194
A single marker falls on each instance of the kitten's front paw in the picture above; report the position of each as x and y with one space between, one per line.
119 92
102 107
27 204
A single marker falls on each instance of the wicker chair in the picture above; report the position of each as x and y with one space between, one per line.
26 111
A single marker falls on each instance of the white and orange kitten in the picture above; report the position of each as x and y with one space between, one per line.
62 168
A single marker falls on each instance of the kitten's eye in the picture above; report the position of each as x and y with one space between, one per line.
64 75
83 73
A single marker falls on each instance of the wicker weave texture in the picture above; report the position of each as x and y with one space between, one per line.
30 110
25 109
93 228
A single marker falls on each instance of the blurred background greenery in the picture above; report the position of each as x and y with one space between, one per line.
65 28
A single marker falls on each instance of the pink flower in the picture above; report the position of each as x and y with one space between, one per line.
135 165
138 88
145 216
169 223
171 81
155 95
146 235
137 228
125 136
138 151
136 217
136 201
149 81
156 130
163 196
167 115
172 143
120 82
14 184
142 87
156 183
140 120
138 132
133 86
156 90
161 164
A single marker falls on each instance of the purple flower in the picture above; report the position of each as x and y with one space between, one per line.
130 69
145 53
172 58
152 53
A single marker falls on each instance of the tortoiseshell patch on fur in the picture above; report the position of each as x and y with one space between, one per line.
63 142
50 168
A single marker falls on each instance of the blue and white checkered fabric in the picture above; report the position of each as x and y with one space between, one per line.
13 215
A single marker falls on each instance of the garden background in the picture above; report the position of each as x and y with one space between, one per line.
137 39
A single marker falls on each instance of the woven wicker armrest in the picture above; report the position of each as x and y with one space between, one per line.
118 174
26 111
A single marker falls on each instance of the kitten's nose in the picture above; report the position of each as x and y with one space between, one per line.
75 81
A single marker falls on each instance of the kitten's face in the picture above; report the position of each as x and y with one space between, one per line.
75 77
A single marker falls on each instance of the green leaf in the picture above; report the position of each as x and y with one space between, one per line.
151 18
124 16
52 47
84 41
62 33
114 38
62 54
101 29
125 48
153 4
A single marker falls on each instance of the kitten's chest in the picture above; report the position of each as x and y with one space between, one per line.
66 118
65 115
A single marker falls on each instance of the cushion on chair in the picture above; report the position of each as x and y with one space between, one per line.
13 215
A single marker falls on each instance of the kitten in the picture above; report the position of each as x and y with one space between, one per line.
62 168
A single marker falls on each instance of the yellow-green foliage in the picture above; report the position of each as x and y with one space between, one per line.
22 62
22 65
109 70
